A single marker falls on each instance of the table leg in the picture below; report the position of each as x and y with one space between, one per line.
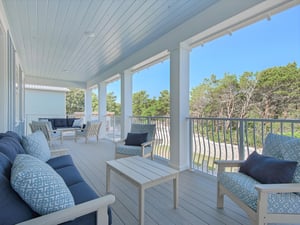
175 191
61 137
107 178
141 203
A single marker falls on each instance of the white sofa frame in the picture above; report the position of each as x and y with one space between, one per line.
261 216
98 205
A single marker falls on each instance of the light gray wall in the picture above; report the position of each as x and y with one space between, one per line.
43 103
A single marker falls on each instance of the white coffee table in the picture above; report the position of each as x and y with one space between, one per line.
143 173
66 130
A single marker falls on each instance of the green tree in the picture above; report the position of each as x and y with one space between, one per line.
163 104
111 104
140 103
277 91
247 83
271 93
75 101
199 100
94 102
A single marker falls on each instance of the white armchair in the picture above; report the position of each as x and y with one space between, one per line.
46 128
144 149
92 129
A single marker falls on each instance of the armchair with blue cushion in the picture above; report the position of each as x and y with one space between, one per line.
139 141
267 185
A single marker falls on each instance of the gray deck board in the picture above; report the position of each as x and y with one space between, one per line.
197 192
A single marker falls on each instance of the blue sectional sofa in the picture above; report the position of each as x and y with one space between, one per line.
15 210
61 122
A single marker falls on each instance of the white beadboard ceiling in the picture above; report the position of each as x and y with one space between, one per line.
52 37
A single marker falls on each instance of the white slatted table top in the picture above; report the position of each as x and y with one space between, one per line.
141 171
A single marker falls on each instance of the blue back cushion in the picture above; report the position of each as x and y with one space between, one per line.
60 123
272 145
5 166
11 134
10 146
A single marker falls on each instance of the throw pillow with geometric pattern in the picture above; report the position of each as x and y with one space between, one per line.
36 145
39 185
291 151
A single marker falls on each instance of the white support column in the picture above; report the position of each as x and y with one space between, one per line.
179 107
3 82
126 102
102 108
88 104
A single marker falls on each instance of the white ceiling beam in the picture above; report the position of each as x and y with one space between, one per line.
54 82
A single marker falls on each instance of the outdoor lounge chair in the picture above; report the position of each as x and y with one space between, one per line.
92 129
140 141
45 127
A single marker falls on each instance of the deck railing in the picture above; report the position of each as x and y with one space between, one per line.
232 139
210 138
220 138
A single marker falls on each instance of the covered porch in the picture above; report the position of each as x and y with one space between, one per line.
86 58
113 46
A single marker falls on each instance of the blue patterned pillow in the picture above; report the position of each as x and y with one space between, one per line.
36 145
39 185
291 151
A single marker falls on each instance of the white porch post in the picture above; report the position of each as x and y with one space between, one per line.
3 83
126 102
102 108
179 107
88 104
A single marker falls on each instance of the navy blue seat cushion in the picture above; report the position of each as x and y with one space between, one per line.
5 166
61 161
136 139
10 147
70 175
13 208
268 170
81 193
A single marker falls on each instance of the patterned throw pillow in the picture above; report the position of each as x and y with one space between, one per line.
36 145
39 185
77 123
291 151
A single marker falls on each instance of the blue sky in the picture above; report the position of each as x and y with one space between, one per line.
254 48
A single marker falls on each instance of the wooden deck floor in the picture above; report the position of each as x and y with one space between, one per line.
197 192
